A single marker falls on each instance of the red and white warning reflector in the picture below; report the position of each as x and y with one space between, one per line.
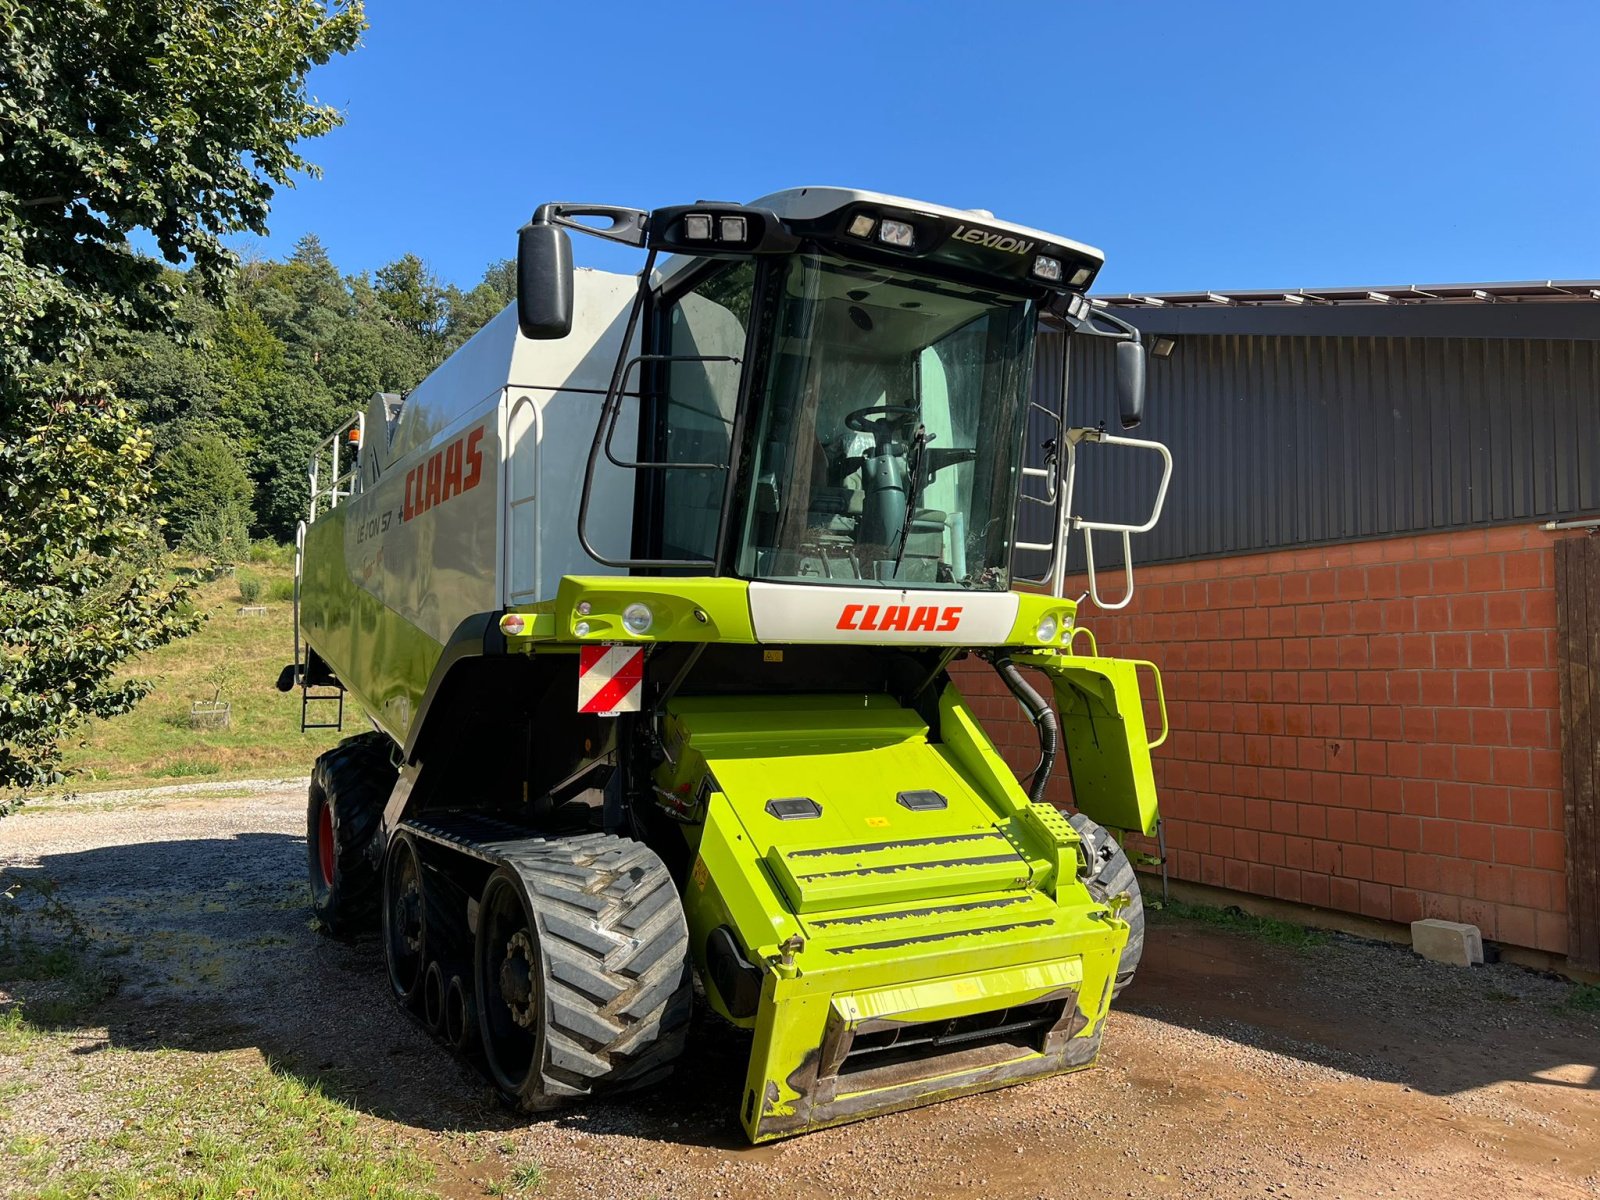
610 679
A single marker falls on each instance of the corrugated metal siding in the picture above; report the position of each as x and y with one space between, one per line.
1283 441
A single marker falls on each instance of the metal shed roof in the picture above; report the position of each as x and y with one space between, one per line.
1531 291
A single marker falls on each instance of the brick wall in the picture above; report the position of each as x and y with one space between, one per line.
1370 727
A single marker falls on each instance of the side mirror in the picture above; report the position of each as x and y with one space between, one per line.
544 282
1130 383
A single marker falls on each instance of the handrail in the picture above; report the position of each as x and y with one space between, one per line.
1074 438
346 481
1161 698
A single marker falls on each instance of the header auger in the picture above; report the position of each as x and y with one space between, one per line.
651 591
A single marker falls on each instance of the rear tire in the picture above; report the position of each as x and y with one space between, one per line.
1110 873
350 785
580 970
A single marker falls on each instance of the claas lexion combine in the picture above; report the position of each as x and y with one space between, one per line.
652 591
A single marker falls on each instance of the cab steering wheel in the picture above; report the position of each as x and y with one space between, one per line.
889 417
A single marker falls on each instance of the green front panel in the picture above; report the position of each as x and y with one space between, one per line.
873 917
1104 736
383 659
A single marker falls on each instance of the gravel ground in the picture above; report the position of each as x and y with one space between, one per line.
1233 1067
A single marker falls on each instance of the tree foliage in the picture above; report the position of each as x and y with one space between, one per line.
180 118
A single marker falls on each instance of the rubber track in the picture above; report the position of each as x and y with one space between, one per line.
355 777
1110 872
614 954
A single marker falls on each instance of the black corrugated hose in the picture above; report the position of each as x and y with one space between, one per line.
1044 720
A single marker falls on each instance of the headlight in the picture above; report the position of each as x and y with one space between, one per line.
1046 631
637 618
896 233
581 629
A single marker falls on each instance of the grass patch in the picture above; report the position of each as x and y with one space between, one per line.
155 742
212 1130
1583 998
1268 929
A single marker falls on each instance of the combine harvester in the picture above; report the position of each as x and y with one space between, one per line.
651 591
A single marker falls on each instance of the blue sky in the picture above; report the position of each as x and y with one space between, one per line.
1201 145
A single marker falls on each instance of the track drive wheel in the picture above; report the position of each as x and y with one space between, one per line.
350 784
1111 873
581 970
405 919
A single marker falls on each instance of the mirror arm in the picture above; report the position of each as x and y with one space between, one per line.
627 224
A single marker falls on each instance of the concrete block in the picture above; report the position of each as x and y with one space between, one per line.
1448 942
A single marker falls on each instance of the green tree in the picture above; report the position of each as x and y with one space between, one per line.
178 117
203 487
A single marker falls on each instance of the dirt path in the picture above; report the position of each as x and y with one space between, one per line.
1234 1067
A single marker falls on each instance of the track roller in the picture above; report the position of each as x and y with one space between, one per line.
581 969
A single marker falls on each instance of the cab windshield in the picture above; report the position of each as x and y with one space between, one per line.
890 429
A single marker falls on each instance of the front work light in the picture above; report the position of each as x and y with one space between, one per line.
861 225
1081 276
637 619
1047 268
896 233
697 227
732 229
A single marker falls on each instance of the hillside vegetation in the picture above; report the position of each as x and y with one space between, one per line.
239 653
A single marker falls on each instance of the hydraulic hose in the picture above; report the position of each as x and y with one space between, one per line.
1043 718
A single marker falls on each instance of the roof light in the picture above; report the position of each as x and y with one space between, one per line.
1081 276
897 233
861 225
512 624
1047 268
697 227
732 229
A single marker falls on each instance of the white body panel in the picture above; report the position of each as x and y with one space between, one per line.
474 504
797 612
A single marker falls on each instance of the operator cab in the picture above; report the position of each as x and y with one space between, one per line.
834 385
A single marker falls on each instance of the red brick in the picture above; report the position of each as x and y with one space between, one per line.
1386 722
1406 905
1510 689
1530 808
1490 727
1472 689
1375 900
1388 866
1487 650
1416 650
1455 800
1448 575
1474 764
1387 794
1549 849
1450 649
1372 828
1414 578
1513 846
1314 889
1492 883
1453 725
1475 841
1344 894
1524 569
1550 933
1485 573
1405 833
1466 612
1353 652
1504 610
1528 648
1371 758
